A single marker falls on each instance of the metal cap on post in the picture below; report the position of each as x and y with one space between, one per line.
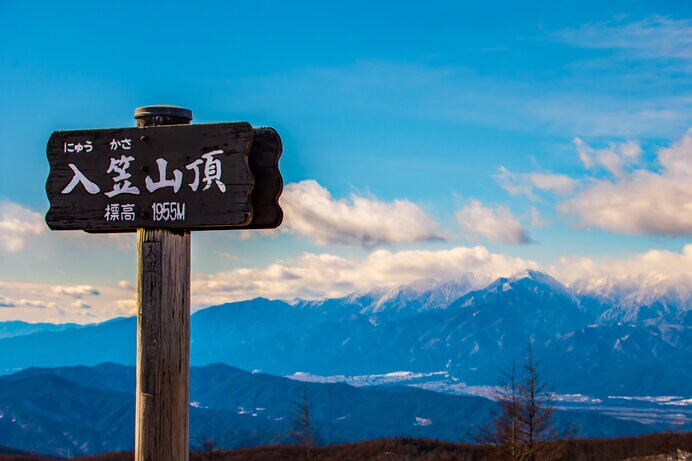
162 114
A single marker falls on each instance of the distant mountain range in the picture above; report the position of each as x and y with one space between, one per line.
18 328
71 411
597 339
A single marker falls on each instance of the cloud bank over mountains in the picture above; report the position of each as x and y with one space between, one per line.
325 275
317 276
622 193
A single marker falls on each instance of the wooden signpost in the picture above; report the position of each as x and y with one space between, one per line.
164 179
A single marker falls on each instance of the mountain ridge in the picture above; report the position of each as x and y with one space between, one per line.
472 337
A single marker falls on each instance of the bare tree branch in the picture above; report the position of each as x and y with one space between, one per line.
524 428
302 430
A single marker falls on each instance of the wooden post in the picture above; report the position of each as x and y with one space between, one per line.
163 328
78 190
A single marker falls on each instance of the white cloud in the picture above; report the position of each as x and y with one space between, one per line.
494 224
18 225
310 210
631 272
6 302
515 183
325 275
614 159
34 303
557 183
630 149
526 183
536 218
77 291
80 305
641 202
125 285
656 37
30 303
677 159
126 307
40 302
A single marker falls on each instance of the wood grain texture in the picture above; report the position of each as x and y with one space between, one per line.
163 346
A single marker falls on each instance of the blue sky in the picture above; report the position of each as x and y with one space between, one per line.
421 140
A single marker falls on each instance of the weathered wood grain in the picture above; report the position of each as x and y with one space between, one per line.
163 346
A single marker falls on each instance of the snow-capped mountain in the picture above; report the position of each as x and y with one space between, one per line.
646 299
588 336
416 297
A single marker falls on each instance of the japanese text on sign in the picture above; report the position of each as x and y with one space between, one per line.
122 185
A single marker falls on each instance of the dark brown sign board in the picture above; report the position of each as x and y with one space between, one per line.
187 177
